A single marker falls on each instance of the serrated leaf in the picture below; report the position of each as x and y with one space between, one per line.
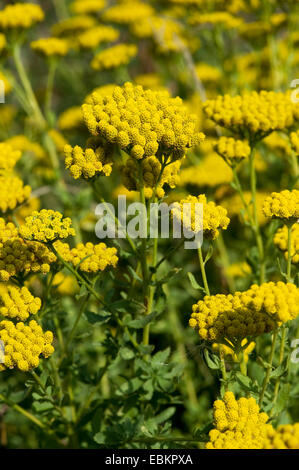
93 317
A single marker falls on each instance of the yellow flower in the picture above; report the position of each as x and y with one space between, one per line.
232 150
70 119
114 56
65 284
89 257
235 207
91 38
22 143
20 16
6 82
142 123
88 162
211 171
238 270
128 12
214 217
283 205
207 73
2 42
80 7
50 47
240 424
256 113
58 139
8 157
73 25
16 302
281 241
12 192
222 18
229 352
46 226
258 310
23 344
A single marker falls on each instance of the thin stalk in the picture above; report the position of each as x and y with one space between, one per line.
268 371
203 271
25 413
79 315
49 89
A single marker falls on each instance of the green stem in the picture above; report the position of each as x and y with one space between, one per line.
25 413
79 315
269 368
49 90
256 227
203 271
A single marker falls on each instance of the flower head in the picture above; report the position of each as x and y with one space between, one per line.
51 47
114 56
283 205
16 302
89 257
46 226
8 156
232 150
20 16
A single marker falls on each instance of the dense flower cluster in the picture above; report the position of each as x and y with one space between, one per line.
239 424
20 16
23 144
18 303
12 192
232 150
49 47
86 162
218 17
89 257
8 156
20 256
143 123
80 7
114 56
214 217
258 310
235 206
283 205
281 240
127 12
261 112
91 38
24 344
46 226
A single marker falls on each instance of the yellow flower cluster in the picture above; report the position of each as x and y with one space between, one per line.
91 38
229 352
239 424
262 112
142 122
70 118
283 205
127 12
294 138
20 256
8 156
7 230
232 150
236 270
80 7
20 16
18 303
258 310
214 217
151 172
73 25
86 162
12 192
50 47
114 56
207 73
46 226
281 241
89 257
286 436
103 90
211 171
6 83
22 143
24 344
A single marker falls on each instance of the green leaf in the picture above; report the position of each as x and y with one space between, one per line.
141 322
244 380
280 370
93 317
161 357
212 360
126 353
194 282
